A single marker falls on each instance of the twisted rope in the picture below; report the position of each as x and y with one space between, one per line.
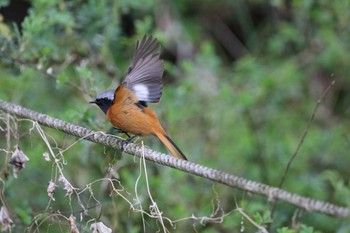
230 180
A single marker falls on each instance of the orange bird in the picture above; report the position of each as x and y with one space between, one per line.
126 107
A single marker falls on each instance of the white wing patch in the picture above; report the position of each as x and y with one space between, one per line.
141 91
145 72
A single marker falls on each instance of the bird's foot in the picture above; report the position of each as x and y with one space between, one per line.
128 140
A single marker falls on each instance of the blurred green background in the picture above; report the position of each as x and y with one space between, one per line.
241 81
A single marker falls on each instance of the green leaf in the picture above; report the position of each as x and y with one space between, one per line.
285 230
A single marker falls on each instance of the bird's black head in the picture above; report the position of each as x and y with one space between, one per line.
104 100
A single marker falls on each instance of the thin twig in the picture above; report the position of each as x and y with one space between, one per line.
319 101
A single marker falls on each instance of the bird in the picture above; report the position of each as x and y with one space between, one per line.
126 107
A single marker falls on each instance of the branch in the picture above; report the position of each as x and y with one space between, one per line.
230 180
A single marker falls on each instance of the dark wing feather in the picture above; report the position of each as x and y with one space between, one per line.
145 72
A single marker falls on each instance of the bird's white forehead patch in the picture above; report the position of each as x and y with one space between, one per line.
141 90
106 94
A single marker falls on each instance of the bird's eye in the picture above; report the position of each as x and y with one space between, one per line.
106 99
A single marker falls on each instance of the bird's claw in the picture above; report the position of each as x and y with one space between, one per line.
128 140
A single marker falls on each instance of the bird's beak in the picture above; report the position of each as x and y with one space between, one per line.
93 102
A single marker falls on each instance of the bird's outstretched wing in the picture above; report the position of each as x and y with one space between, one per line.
145 72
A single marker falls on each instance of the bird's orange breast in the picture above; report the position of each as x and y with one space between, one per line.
125 115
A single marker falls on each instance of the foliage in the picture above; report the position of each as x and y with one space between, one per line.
242 79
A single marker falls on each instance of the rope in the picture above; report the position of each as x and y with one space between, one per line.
273 194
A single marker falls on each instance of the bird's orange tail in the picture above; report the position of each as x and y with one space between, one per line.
171 146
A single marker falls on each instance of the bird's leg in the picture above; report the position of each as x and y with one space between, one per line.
118 130
129 139
121 131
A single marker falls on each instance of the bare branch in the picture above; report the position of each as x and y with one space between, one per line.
230 180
